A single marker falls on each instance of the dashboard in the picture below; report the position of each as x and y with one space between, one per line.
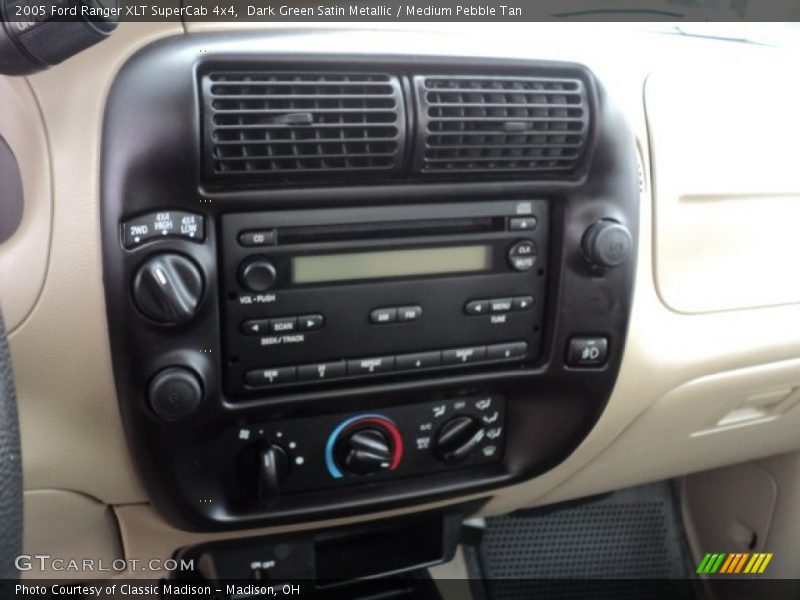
304 342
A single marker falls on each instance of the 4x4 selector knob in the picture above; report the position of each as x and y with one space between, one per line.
167 288
457 438
257 274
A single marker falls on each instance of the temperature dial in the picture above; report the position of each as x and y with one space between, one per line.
363 445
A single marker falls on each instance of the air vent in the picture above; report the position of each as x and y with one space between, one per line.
533 125
283 125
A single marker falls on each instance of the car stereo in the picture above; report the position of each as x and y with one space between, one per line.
315 296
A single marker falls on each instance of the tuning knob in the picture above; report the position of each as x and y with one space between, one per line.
365 451
607 244
167 288
457 438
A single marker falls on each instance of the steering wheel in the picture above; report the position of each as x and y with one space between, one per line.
10 467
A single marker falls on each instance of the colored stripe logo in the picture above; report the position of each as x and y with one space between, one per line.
719 563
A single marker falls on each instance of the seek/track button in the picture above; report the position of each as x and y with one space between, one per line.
284 325
310 322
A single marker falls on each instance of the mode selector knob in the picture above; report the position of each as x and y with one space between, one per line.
257 274
607 244
366 451
457 439
167 288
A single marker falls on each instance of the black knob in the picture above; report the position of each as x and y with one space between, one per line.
607 244
273 467
175 393
457 438
167 288
257 275
262 468
365 451
45 38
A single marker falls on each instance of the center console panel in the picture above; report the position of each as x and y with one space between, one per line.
392 327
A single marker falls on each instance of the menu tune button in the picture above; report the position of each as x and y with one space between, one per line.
523 302
477 307
500 305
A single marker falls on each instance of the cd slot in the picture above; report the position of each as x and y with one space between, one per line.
395 229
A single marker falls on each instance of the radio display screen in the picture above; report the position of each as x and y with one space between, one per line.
390 263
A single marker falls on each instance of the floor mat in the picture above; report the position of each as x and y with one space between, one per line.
585 550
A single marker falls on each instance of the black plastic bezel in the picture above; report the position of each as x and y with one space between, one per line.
151 160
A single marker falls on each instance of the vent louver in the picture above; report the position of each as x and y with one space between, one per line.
285 125
501 124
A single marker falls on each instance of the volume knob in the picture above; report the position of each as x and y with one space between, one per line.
257 275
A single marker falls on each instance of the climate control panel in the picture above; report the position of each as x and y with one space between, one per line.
281 457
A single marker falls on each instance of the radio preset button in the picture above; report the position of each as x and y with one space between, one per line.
500 305
283 325
266 237
322 371
370 366
310 322
418 360
268 377
476 307
507 351
522 223
255 327
462 356
522 255
408 313
523 302
383 316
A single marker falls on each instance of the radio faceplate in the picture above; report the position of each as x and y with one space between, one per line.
323 296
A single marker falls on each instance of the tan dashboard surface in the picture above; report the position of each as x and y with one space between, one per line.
705 381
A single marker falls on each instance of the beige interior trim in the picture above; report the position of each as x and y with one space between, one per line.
682 374
66 525
72 436
23 257
727 190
